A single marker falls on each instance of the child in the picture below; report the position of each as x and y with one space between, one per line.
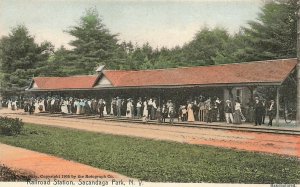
184 113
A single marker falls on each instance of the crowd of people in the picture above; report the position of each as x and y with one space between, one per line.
210 109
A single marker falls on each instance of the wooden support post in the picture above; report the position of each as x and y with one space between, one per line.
298 67
230 93
159 101
277 104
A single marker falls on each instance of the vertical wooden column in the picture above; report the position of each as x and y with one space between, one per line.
298 67
277 104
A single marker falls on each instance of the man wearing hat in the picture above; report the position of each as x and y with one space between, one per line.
258 111
271 112
228 112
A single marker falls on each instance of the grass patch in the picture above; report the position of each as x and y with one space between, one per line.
158 161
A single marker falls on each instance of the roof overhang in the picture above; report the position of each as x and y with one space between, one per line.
223 85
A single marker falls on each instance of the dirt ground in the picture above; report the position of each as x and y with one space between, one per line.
249 141
44 166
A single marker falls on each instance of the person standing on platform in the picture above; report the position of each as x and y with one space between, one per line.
139 108
31 106
36 106
49 100
264 111
82 106
64 106
171 112
77 106
258 111
208 108
119 106
145 111
93 106
101 108
195 110
69 102
221 111
153 109
150 109
123 107
158 115
164 113
237 116
202 112
114 107
228 112
272 109
128 108
190 112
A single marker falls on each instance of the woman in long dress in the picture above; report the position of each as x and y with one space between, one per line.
237 116
104 110
190 111
41 105
128 109
145 111
36 106
82 104
64 107
9 104
111 106
77 106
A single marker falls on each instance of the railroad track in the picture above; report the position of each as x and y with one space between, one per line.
261 129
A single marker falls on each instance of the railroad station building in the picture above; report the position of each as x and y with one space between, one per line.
227 81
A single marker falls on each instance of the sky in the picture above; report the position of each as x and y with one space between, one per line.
160 22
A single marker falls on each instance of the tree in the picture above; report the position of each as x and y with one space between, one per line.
94 45
274 34
58 64
206 45
20 57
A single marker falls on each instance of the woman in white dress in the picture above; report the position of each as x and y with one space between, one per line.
64 107
14 105
190 111
104 110
145 111
9 104
77 105
82 104
36 106
41 105
111 106
128 109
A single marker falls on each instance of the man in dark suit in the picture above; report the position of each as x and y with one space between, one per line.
258 111
272 109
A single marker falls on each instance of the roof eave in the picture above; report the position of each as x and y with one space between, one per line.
162 86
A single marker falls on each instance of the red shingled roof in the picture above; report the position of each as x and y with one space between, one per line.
271 71
74 82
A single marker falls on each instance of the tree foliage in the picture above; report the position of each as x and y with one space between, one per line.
21 57
274 34
94 45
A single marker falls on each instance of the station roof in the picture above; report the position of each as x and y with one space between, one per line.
270 72
74 82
